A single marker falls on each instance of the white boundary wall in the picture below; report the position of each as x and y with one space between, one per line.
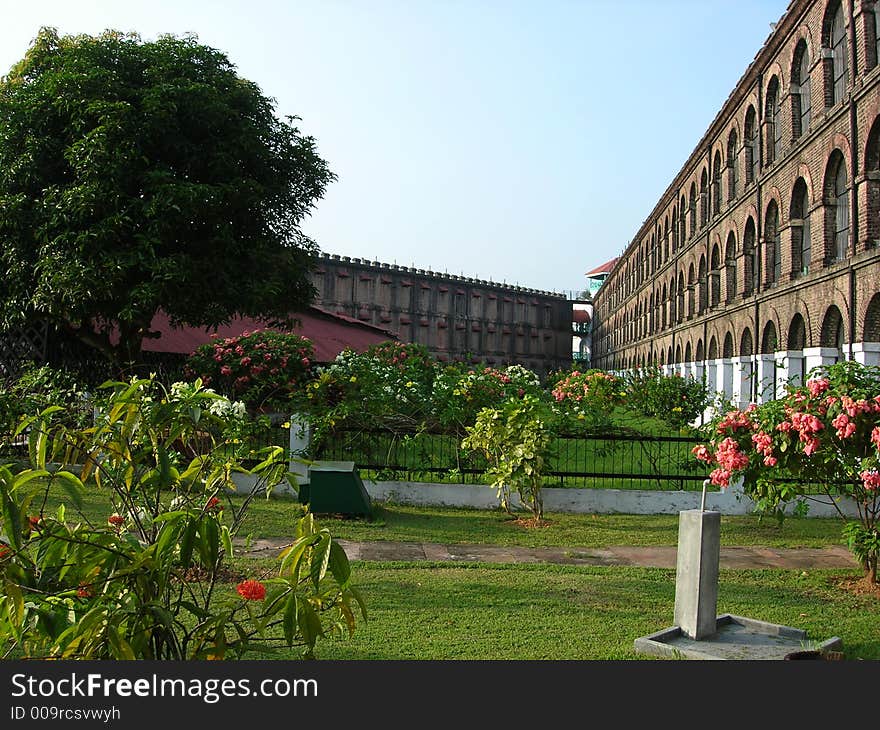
582 501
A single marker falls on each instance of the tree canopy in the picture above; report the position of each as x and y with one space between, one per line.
137 176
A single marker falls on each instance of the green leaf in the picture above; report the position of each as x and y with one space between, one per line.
71 484
186 543
309 623
290 620
319 559
13 593
339 565
226 537
11 518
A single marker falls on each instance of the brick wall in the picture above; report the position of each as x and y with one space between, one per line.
457 318
670 293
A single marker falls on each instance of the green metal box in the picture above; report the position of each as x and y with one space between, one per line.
335 487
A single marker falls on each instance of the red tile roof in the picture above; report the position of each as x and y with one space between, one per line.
604 268
330 333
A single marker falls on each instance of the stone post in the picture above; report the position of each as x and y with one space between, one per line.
696 575
300 438
867 353
816 356
766 378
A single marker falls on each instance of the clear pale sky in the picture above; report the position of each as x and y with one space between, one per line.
514 141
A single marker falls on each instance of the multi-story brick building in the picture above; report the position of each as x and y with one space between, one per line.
456 317
762 257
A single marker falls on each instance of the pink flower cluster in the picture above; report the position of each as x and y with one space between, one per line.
764 445
817 386
734 421
807 425
871 480
845 427
703 454
730 459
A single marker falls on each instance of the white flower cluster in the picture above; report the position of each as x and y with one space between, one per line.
224 408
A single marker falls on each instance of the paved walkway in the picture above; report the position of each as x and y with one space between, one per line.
657 557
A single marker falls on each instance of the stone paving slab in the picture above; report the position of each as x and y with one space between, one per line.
655 557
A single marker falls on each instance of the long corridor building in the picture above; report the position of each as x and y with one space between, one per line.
762 258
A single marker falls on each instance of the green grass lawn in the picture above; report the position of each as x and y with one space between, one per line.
274 518
538 611
523 612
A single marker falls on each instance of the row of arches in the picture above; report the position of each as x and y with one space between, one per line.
817 74
813 233
795 336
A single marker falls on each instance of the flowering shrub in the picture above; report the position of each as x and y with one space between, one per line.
391 382
589 395
461 392
264 369
672 398
144 583
826 432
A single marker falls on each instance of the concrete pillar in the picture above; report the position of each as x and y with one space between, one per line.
789 370
766 378
817 356
742 381
726 379
696 575
698 370
300 438
688 370
867 353
711 377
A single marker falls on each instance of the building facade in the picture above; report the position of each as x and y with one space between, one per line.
457 318
761 259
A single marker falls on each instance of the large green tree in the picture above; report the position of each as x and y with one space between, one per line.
137 176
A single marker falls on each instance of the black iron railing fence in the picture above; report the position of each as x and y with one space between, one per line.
605 461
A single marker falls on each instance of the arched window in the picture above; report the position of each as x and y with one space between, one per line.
746 346
733 172
797 333
799 216
715 276
692 210
692 285
771 243
872 179
774 125
800 93
871 325
674 231
663 304
832 334
727 348
680 305
681 222
875 36
666 239
750 259
837 62
837 207
704 198
751 139
769 341
716 184
730 267
702 282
